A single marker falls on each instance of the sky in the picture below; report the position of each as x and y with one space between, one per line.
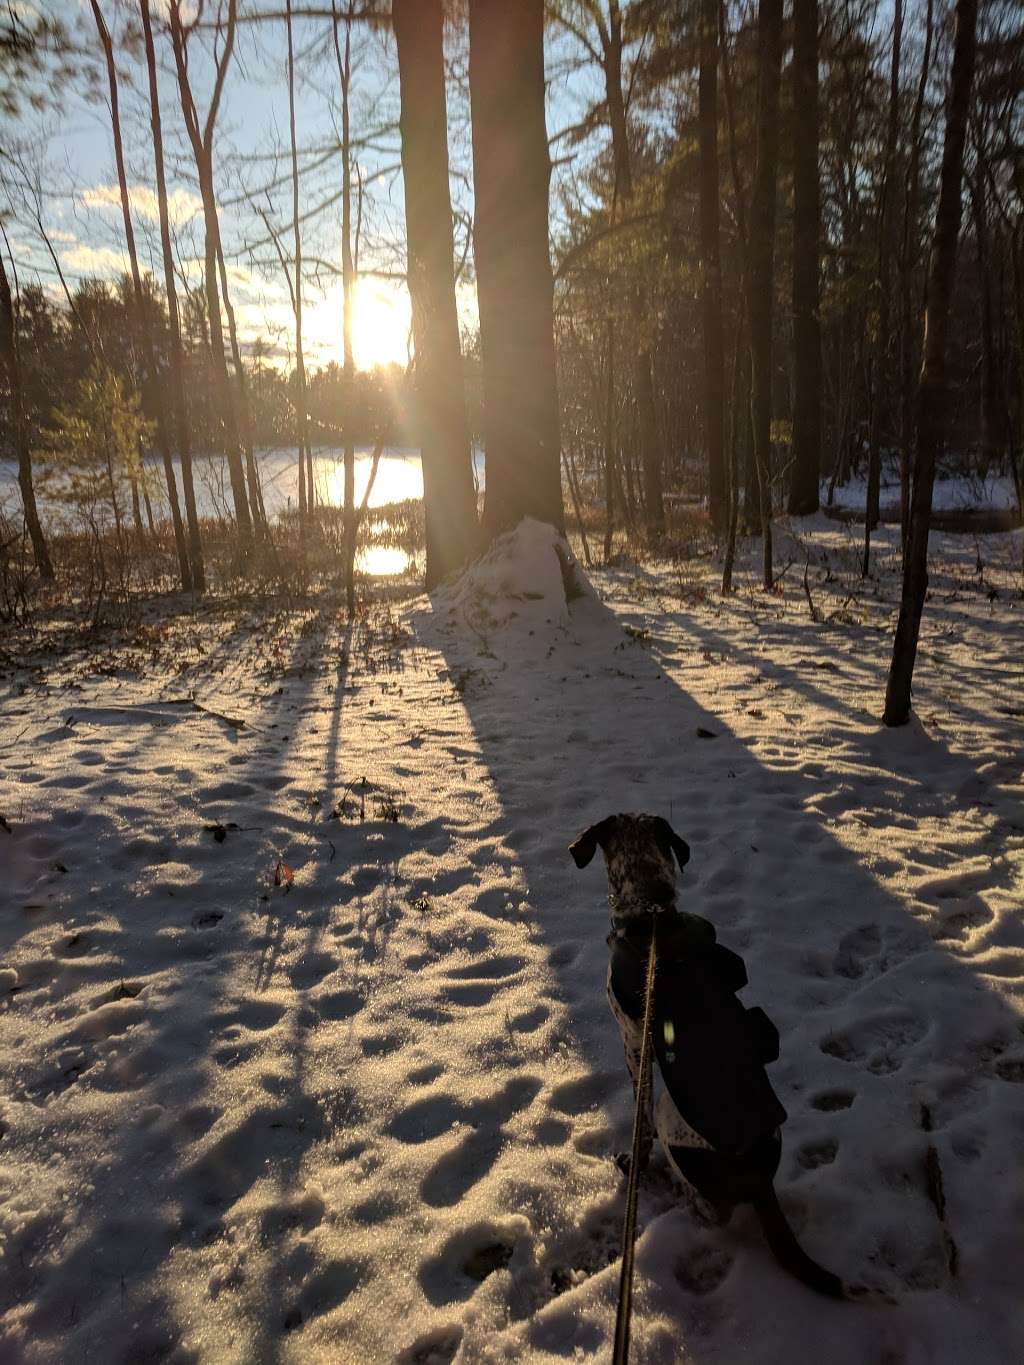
72 149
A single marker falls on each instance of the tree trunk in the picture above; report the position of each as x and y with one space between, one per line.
221 378
511 170
932 388
177 364
737 408
908 261
305 495
761 283
240 397
142 320
449 498
348 276
881 359
806 472
990 440
201 140
711 268
12 364
643 377
609 440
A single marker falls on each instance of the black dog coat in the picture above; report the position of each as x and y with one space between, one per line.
723 1135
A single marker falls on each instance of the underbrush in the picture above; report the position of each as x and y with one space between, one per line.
104 582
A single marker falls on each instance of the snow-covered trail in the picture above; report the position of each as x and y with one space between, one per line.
368 1116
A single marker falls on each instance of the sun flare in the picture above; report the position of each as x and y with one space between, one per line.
380 328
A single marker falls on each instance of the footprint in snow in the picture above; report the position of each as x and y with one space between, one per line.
323 1293
877 1044
438 1347
814 1154
829 1101
858 951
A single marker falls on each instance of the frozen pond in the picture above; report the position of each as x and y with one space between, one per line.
399 478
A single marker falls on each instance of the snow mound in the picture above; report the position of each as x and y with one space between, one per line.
527 583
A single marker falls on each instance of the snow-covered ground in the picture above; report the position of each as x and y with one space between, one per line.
952 493
366 1113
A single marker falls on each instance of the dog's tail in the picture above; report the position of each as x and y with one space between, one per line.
788 1251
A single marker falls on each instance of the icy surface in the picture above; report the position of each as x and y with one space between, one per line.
367 1113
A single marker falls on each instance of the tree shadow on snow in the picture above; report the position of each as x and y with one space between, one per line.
200 957
895 1041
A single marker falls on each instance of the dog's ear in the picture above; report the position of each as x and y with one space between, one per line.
672 840
584 846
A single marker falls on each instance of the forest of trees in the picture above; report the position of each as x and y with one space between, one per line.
704 239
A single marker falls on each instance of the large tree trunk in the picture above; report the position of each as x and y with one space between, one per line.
806 473
931 403
142 320
12 364
761 282
449 497
511 170
711 267
177 363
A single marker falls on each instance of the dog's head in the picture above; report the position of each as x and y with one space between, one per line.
638 852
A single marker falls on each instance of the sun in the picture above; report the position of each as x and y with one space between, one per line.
383 319
380 328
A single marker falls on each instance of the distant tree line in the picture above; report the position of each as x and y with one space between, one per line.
58 347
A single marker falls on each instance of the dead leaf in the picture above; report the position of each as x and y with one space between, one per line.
283 875
219 831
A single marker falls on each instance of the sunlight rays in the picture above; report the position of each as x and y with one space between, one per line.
380 333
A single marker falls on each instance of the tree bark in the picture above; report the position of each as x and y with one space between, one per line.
806 472
449 498
142 321
761 282
177 362
12 364
932 388
511 169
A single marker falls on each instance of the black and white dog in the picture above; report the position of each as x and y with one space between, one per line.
718 1117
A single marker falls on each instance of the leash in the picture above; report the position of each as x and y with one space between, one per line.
620 1354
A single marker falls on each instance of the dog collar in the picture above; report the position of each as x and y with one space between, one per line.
629 915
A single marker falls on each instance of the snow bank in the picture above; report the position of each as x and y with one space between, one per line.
527 585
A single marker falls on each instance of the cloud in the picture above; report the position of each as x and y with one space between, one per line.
95 260
182 204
